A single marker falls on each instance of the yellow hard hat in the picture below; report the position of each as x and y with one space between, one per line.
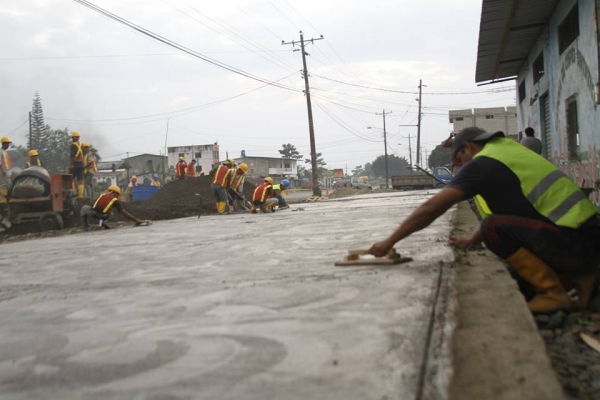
32 153
244 167
181 159
269 180
86 144
134 178
230 161
5 139
115 189
75 134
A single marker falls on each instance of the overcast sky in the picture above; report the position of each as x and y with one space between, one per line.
118 87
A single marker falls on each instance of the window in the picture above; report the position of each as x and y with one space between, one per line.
522 93
181 154
198 168
568 30
287 165
489 117
572 128
459 119
198 155
538 68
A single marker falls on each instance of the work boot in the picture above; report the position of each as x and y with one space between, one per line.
263 209
551 296
104 224
580 288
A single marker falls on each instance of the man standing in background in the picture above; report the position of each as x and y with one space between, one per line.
531 142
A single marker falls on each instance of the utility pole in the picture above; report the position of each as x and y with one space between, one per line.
31 146
387 177
410 153
419 125
166 169
311 130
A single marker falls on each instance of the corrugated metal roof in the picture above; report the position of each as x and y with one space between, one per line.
507 33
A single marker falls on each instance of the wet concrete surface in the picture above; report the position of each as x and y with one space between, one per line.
245 306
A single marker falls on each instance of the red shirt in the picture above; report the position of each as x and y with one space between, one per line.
262 192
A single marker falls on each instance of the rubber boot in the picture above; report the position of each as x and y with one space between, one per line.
551 296
253 209
80 189
580 288
221 207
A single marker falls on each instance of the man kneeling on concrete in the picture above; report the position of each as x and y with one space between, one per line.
535 217
101 211
263 197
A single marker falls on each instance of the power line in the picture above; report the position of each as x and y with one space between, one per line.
129 55
179 47
17 128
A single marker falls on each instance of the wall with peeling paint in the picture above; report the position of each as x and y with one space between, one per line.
572 74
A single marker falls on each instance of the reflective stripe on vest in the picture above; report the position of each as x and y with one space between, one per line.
221 176
78 153
105 203
482 207
181 167
39 163
236 181
6 163
551 192
260 193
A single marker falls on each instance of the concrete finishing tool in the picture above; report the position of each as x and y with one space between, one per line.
353 258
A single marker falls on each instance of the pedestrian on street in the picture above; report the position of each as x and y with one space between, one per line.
180 168
190 171
263 197
220 182
535 217
102 209
34 160
76 163
531 142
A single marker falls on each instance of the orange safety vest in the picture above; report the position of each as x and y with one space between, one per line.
236 180
86 161
189 172
180 168
78 153
262 192
39 163
221 176
6 163
104 203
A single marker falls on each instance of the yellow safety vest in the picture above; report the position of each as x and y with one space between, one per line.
39 163
551 192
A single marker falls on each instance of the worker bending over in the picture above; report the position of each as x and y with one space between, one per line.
235 190
536 218
263 197
102 209
34 160
220 182
279 193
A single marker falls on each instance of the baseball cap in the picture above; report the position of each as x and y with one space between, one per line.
472 134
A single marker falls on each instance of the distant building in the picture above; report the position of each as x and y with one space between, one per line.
338 173
206 155
146 164
489 119
276 168
552 49
110 172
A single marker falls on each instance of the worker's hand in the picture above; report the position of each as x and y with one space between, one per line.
138 222
463 243
380 249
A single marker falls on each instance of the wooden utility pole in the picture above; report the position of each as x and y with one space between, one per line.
410 154
311 129
419 125
387 177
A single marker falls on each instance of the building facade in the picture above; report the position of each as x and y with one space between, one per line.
488 119
552 50
206 155
276 168
146 164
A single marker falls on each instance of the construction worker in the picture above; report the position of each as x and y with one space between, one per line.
537 219
89 169
33 159
102 209
220 182
155 182
6 164
263 197
190 171
180 168
76 163
129 191
279 192
236 187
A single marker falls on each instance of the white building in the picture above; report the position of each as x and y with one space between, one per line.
206 155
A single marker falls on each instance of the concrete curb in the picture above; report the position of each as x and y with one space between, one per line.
497 350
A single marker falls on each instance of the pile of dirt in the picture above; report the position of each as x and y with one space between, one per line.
180 198
577 364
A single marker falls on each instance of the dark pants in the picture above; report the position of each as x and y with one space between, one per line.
282 202
563 249
88 212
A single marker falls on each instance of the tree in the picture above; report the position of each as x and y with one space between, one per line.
290 151
320 164
440 157
358 170
39 130
55 153
396 166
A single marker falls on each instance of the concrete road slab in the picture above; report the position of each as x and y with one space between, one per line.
223 307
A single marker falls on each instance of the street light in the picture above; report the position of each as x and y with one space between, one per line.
387 177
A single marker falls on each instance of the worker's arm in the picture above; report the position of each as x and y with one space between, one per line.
130 217
465 243
419 219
